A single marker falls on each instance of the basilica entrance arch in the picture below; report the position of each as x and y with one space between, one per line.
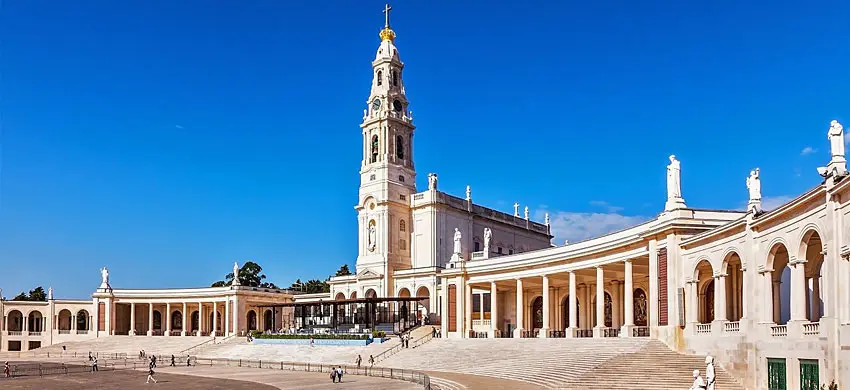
537 313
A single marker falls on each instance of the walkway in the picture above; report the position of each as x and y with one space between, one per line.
291 379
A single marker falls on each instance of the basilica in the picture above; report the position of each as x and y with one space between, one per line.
767 292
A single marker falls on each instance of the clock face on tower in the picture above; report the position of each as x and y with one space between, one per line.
376 104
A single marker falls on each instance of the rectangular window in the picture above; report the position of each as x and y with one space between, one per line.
809 375
452 314
476 304
487 306
776 374
402 197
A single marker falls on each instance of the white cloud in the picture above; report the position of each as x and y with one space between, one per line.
607 206
807 151
771 202
179 126
577 226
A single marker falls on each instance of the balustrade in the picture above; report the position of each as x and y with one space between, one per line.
64 331
610 332
703 328
529 334
811 329
732 327
34 333
15 333
584 333
82 331
640 331
557 334
779 330
477 335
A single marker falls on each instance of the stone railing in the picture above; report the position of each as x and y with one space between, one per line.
529 334
811 328
732 327
556 334
703 328
779 330
477 335
480 322
34 333
15 333
64 331
175 332
480 255
82 331
584 333
640 331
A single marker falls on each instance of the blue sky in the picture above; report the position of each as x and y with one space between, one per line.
167 139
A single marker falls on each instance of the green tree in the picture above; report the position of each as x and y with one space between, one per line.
251 275
37 294
312 286
343 271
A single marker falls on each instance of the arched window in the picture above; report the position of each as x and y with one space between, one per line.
374 148
399 147
402 226
380 77
395 78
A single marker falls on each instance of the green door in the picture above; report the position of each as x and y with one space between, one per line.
809 378
776 374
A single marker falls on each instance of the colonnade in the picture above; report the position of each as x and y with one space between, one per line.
203 329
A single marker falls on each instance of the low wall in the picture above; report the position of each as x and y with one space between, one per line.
350 343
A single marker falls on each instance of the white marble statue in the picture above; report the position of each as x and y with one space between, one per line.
235 274
488 234
457 238
836 139
674 184
526 213
468 193
710 377
698 384
50 293
546 219
104 276
432 181
516 209
372 236
754 185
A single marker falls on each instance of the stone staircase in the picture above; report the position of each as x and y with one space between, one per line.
628 363
652 367
130 345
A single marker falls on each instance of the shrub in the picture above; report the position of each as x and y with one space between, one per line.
379 334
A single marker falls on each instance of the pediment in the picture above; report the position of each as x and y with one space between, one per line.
368 274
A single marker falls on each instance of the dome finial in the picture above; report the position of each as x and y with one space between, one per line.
387 33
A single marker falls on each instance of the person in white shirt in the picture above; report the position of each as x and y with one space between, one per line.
699 384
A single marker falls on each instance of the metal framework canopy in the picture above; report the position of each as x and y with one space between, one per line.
391 314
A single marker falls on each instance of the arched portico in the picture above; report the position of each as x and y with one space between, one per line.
64 319
733 276
82 320
35 321
704 279
778 272
177 320
251 318
425 304
15 321
811 249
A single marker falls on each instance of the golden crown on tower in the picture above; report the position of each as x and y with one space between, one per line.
387 34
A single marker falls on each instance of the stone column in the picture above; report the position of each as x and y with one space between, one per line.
494 310
237 314
775 298
108 317
615 304
520 306
467 306
168 319
215 318
743 293
584 319
798 291
132 319
183 315
600 302
816 313
573 325
227 317
150 319
74 323
720 316
546 317
628 302
692 311
200 319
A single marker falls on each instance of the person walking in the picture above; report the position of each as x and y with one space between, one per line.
371 360
172 361
358 360
94 365
188 361
153 361
150 376
339 373
7 372
333 374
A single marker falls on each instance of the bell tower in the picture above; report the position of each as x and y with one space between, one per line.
387 174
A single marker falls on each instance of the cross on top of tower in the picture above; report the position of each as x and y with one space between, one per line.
387 10
387 34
